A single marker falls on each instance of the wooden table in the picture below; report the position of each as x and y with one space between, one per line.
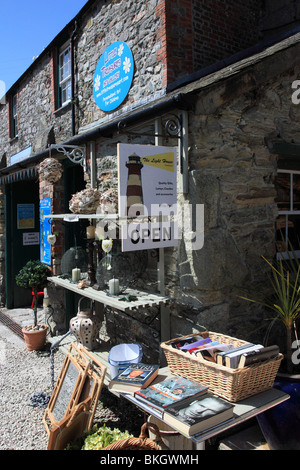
243 410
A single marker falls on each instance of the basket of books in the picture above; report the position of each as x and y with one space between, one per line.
231 368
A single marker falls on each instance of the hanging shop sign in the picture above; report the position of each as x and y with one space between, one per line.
147 178
45 231
113 76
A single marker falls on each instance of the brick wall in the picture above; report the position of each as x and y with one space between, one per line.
223 28
199 33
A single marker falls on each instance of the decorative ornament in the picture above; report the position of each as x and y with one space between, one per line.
85 327
107 245
50 170
109 201
85 202
51 239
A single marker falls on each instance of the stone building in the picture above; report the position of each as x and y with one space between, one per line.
214 80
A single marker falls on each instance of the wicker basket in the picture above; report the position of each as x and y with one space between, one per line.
232 384
143 442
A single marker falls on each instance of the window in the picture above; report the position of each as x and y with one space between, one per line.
288 201
65 75
14 117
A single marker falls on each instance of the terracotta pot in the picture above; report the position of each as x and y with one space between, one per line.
35 339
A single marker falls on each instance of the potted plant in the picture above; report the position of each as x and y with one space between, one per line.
34 275
281 424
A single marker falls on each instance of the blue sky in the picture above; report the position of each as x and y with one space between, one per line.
26 27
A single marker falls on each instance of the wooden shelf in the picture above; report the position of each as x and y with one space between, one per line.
74 217
144 299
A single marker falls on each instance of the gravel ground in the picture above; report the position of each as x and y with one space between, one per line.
25 373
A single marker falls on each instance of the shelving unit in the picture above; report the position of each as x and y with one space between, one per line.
144 299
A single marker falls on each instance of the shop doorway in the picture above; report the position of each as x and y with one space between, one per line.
22 232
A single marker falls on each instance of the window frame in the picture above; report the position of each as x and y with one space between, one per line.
64 82
287 213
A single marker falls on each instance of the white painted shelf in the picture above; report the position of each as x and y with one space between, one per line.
144 299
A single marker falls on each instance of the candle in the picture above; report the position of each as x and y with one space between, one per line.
90 231
76 274
114 288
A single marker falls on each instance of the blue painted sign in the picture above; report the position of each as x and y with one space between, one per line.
113 76
45 230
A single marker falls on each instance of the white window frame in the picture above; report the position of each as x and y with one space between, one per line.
65 80
288 212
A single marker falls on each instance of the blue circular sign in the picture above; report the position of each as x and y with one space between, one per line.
113 76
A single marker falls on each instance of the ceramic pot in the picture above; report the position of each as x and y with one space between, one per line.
85 327
35 339
281 424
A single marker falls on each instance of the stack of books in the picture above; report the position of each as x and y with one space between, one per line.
185 405
181 403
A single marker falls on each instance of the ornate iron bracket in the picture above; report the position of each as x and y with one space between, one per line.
171 126
74 153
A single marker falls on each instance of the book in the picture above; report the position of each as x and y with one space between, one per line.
211 351
196 415
170 390
178 343
221 356
201 342
232 357
258 355
134 377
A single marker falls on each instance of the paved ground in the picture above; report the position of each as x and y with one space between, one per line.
247 438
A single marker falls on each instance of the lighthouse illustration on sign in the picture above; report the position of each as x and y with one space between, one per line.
134 191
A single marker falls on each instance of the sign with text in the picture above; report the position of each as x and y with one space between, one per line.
31 238
113 76
147 183
45 230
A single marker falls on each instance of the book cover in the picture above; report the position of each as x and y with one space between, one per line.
233 357
196 415
258 355
134 377
165 393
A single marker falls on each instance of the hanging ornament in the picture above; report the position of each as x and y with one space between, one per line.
85 202
50 170
107 247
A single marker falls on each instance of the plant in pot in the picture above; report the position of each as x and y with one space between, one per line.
281 424
34 276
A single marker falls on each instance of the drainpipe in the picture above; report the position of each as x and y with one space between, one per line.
73 78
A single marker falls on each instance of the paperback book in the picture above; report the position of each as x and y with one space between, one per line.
169 391
258 355
134 377
196 415
232 357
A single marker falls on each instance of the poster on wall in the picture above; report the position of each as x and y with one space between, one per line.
147 183
25 216
45 230
113 76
